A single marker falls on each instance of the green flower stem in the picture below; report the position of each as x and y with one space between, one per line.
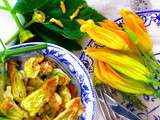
29 23
151 68
9 8
7 53
12 13
17 51
4 73
155 72
154 59
154 64
16 20
15 35
14 16
4 8
145 61
155 82
157 94
147 58
7 4
2 44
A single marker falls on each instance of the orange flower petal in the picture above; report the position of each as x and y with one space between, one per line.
136 24
109 24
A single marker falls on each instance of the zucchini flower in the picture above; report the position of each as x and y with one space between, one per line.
1 90
25 35
75 104
104 36
112 78
65 94
16 78
36 100
10 109
73 111
67 115
124 64
47 67
32 66
63 77
121 62
38 16
136 25
36 82
55 101
112 26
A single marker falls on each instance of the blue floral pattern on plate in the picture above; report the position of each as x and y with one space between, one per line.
78 70
152 112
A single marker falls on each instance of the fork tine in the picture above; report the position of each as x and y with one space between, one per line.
104 109
106 91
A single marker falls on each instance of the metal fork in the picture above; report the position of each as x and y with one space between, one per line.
117 111
107 112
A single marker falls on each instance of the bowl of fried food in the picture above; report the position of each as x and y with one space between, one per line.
42 81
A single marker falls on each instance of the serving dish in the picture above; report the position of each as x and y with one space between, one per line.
75 69
152 21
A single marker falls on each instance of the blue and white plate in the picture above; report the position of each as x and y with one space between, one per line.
77 71
152 22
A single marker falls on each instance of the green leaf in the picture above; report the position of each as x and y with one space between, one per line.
89 13
85 13
26 6
71 31
55 38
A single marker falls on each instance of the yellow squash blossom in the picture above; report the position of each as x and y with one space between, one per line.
39 16
109 24
104 36
121 62
110 77
136 24
112 26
